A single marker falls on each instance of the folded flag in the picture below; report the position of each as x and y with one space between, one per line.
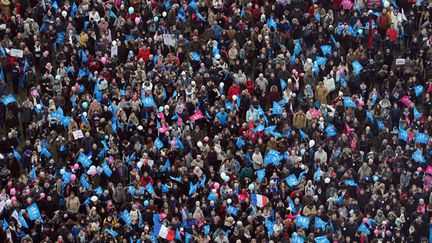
259 200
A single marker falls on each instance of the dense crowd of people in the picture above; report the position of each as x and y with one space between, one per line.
215 121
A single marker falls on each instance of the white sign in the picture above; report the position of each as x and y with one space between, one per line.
17 53
400 61
78 134
169 40
114 51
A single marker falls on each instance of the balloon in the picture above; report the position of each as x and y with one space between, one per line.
173 143
388 232
89 172
217 56
114 43
26 192
42 195
156 19
419 169
137 20
13 199
64 14
223 175
234 97
76 166
139 164
73 177
327 180
360 31
302 151
92 167
85 105
164 14
311 143
131 10
386 4
251 186
146 203
226 179
9 184
375 178
229 201
341 71
365 220
376 232
216 185
302 75
13 191
103 60
62 171
294 71
8 202
199 144
206 139
93 172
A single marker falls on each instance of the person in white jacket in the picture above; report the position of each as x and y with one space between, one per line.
257 159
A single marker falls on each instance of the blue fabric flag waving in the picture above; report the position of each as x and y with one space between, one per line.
326 49
349 103
302 221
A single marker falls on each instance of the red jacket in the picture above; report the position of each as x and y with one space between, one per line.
233 90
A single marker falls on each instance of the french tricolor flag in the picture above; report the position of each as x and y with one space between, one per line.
164 232
259 200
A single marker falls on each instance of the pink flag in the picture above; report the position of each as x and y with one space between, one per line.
179 121
198 115
410 136
429 170
164 128
347 4
314 113
348 129
406 101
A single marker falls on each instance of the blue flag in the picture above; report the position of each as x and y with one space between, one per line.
206 229
259 128
321 60
166 166
84 182
351 182
364 229
260 174
403 134
302 221
22 221
303 135
212 197
9 99
330 131
320 224
421 138
240 143
32 175
322 239
417 156
148 101
158 143
84 160
418 89
348 102
112 232
417 114
277 109
33 212
297 239
232 210
291 180
106 169
179 143
5 224
297 47
196 57
149 188
193 188
165 188
178 235
271 23
369 116
178 179
283 84
292 205
125 216
357 67
380 125
326 49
